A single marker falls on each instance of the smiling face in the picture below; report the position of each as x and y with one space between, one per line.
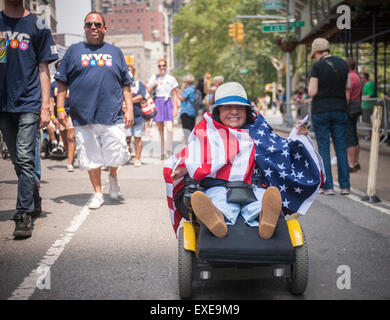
94 29
233 116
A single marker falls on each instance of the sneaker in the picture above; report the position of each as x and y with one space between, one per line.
114 188
96 201
327 191
208 214
270 212
23 226
344 192
357 166
137 163
69 168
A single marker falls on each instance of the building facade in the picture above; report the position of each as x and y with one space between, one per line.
46 10
144 25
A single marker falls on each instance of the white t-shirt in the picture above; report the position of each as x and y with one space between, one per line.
165 85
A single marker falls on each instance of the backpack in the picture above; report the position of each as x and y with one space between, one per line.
198 101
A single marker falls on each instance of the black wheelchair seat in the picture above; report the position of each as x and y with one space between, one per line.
243 245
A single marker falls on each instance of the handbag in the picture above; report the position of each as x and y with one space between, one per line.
354 108
148 107
239 192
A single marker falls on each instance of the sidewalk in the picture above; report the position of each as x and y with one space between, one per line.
358 179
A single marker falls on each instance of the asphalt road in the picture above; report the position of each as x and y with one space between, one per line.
127 249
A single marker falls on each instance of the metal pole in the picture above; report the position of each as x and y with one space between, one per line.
350 42
384 69
288 117
374 43
357 57
306 66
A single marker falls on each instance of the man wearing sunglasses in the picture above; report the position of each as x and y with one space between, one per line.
97 75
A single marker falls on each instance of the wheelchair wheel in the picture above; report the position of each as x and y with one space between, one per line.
299 270
184 268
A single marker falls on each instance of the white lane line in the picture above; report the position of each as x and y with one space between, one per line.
27 288
360 195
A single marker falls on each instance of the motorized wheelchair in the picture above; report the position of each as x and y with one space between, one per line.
242 254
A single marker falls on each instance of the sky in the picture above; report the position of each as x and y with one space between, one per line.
70 18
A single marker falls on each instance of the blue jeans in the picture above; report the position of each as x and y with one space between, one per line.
231 211
20 134
335 124
38 170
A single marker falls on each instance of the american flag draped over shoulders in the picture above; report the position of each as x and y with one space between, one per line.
292 165
214 150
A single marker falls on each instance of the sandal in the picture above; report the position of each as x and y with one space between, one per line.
208 214
269 215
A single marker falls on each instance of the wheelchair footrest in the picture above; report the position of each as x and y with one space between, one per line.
244 245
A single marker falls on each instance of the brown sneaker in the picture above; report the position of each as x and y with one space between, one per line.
271 207
208 214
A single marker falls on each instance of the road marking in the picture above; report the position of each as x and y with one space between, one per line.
358 197
27 288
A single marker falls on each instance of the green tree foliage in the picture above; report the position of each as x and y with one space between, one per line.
205 45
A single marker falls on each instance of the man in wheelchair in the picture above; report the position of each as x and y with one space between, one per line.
244 168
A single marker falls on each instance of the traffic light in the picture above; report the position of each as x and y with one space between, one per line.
233 30
240 32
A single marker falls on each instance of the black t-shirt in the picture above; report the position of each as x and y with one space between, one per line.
331 87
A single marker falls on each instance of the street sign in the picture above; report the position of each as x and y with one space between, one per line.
282 27
298 23
276 28
244 70
273 4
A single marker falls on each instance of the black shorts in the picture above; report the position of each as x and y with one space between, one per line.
366 115
352 137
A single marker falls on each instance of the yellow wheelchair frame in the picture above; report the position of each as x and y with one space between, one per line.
188 258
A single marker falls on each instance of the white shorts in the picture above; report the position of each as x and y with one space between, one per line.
99 145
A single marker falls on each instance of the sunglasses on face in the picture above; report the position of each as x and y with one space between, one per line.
162 65
98 25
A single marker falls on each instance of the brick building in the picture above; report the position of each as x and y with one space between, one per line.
136 18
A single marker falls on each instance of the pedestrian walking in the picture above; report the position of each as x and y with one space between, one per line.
66 132
200 95
281 103
327 85
138 93
188 112
211 88
368 92
163 87
98 79
24 100
354 112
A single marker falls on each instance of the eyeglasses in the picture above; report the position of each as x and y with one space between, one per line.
89 25
162 65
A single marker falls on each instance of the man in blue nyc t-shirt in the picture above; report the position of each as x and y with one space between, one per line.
26 49
97 76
